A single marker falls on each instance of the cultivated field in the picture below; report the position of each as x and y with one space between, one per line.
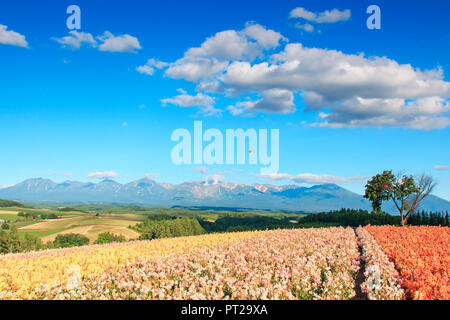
321 263
87 224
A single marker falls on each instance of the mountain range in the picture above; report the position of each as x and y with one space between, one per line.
147 192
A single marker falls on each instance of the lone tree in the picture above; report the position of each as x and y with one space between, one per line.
405 191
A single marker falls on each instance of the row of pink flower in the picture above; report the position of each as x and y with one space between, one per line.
381 277
281 264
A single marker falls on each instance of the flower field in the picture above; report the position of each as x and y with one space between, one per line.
422 256
321 263
21 274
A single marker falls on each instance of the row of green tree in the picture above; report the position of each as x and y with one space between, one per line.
352 218
424 218
36 216
246 223
343 217
12 242
165 226
10 203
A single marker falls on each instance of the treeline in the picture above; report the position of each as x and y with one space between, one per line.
10 203
352 218
70 209
355 218
424 218
343 217
164 226
36 216
247 223
12 242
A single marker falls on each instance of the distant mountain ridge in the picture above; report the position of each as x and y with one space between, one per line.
148 192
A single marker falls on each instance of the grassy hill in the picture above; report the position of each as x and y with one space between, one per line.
11 203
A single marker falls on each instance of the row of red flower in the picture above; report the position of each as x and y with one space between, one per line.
422 257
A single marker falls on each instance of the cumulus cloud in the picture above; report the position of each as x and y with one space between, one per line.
105 42
442 168
120 43
150 66
102 175
195 68
357 91
305 27
225 45
343 89
358 112
272 101
327 16
312 178
12 38
184 100
76 39
214 54
267 39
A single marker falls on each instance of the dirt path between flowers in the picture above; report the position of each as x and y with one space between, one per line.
360 278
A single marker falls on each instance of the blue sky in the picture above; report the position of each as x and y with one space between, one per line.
67 111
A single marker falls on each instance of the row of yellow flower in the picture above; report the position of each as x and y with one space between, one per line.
281 264
22 274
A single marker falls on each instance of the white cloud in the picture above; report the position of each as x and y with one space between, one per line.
267 39
224 46
124 124
108 42
4 186
344 90
120 43
145 69
442 168
240 107
150 66
312 178
305 27
195 68
12 38
334 75
358 112
272 101
326 16
213 55
76 39
102 175
184 100
357 91
151 175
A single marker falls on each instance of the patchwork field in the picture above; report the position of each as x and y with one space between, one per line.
87 225
316 263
